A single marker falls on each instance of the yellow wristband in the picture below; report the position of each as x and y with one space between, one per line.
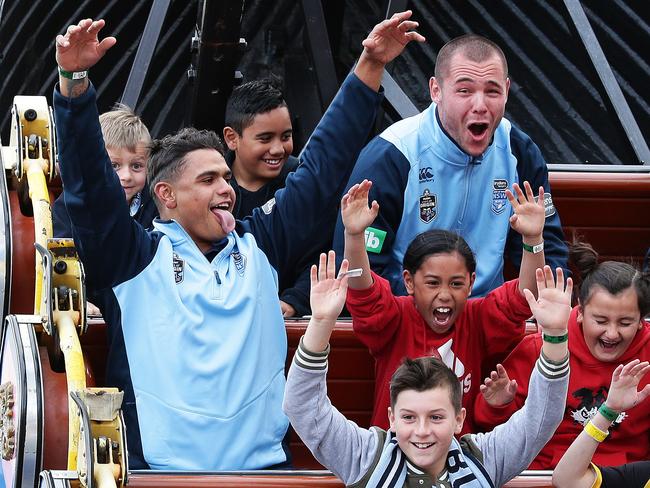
595 433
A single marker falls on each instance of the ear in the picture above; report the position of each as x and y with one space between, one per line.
435 90
580 316
408 282
472 279
165 194
231 137
460 420
391 419
507 88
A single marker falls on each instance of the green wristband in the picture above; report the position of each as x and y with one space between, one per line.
608 413
537 248
555 339
73 75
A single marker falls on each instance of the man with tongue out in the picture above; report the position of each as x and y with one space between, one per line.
449 167
197 338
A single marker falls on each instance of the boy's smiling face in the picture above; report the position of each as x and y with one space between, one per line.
262 148
131 168
424 423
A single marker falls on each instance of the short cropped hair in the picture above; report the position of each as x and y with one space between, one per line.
474 47
121 127
250 99
423 374
167 155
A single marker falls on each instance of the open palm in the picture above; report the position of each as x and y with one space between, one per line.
553 305
355 212
328 292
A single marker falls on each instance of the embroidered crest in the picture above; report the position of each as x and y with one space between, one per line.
428 206
240 262
178 265
499 198
268 206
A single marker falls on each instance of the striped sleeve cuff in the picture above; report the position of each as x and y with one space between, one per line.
315 361
553 369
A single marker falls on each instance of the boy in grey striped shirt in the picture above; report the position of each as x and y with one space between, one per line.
420 449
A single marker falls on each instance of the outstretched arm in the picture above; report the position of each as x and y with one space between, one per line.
306 210
93 195
511 447
573 470
337 443
528 221
357 216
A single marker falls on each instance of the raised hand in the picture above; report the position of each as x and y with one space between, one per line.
625 379
387 39
79 48
553 305
529 217
355 212
328 292
498 389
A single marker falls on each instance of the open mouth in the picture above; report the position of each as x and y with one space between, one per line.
423 445
608 345
478 130
442 316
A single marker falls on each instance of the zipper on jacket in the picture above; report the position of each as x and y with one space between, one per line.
216 275
468 170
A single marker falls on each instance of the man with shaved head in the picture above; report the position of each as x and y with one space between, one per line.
449 166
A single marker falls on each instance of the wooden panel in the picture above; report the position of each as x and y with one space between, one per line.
599 185
301 480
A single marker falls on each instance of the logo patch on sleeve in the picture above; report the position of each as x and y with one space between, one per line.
374 239
178 265
428 206
268 206
499 199
549 208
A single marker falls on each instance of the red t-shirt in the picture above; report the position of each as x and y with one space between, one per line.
589 381
393 329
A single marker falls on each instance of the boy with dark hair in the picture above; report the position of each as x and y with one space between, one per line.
199 341
425 412
258 134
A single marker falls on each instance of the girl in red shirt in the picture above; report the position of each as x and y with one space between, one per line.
605 329
437 319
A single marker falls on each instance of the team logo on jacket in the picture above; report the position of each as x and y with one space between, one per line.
499 198
590 402
426 174
240 262
178 265
428 206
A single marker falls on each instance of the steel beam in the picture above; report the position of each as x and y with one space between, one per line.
320 50
145 52
606 75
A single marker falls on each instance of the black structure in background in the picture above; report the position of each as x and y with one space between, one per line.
556 95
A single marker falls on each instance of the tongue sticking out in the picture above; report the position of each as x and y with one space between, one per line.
226 220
